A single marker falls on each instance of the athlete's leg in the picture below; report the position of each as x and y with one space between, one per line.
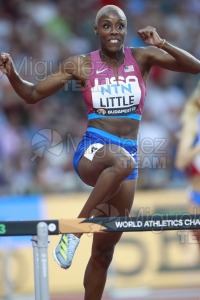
109 167
104 244
106 172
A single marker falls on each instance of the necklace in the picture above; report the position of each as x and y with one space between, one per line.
115 60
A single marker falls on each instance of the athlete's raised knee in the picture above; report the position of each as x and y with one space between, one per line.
123 166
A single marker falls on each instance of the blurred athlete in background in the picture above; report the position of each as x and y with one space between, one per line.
188 153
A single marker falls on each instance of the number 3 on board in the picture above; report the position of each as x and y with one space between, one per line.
2 229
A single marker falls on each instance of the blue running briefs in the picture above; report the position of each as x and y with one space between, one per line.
94 135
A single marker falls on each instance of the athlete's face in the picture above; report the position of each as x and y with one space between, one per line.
112 30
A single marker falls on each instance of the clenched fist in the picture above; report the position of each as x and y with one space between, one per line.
150 36
6 64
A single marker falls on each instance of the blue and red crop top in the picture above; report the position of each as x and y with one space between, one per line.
105 97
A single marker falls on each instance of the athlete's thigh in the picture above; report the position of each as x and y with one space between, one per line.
91 166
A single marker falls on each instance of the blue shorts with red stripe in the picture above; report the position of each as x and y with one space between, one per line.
94 136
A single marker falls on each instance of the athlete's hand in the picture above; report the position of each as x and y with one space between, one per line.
150 36
6 63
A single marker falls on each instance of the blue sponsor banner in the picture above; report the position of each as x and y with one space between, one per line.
20 208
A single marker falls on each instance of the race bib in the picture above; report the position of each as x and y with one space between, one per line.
116 98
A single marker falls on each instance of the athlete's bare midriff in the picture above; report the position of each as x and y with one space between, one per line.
124 128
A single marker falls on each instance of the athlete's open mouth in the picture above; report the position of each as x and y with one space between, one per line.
114 41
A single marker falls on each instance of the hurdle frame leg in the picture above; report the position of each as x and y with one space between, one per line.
36 267
40 253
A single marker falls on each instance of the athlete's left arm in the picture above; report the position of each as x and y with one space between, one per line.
163 54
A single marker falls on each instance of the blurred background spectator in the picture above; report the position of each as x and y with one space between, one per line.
37 142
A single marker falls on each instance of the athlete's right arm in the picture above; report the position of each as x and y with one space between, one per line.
32 93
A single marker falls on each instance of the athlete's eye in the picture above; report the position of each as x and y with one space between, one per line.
121 26
106 25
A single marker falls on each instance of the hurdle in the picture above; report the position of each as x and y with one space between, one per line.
40 230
